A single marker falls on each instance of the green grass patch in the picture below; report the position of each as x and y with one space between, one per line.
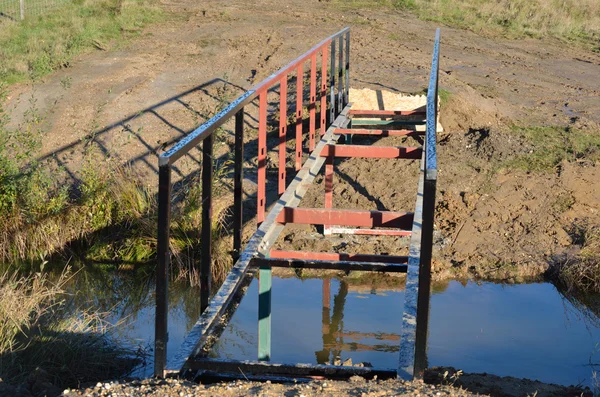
39 45
552 145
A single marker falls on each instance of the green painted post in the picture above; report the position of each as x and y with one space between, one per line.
264 313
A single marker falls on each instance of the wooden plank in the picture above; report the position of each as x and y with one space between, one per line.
337 256
259 244
331 265
372 152
292 370
361 218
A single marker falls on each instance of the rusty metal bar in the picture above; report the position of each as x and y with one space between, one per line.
299 104
378 152
262 158
362 218
207 188
357 113
332 104
329 164
282 133
161 335
238 178
382 133
385 123
312 103
323 110
334 257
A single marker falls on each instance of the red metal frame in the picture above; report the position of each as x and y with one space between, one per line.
373 152
262 158
323 111
383 133
358 218
368 232
299 94
313 102
385 113
335 256
282 132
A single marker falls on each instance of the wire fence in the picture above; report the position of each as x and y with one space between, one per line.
17 10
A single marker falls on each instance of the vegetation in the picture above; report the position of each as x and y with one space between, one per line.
551 145
581 273
564 19
42 342
39 45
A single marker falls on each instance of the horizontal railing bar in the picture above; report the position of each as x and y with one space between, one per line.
370 152
383 133
338 256
389 123
207 128
369 232
258 368
329 216
357 113
432 107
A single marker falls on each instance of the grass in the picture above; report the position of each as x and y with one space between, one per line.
563 19
552 145
39 336
40 45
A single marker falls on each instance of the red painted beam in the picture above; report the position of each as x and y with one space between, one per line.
344 131
358 218
377 152
385 113
334 256
369 232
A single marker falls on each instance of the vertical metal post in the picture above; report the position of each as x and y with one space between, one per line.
22 8
424 293
313 101
340 93
332 110
161 335
329 187
237 184
282 133
347 91
323 112
299 95
206 264
264 313
262 157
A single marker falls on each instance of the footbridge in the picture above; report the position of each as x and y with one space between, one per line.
323 123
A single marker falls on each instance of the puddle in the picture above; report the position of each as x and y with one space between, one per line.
526 330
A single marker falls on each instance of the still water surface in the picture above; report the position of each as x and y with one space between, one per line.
526 330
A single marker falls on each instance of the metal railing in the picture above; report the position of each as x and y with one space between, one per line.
20 9
333 95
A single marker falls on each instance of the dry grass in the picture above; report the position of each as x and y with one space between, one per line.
564 19
581 273
37 334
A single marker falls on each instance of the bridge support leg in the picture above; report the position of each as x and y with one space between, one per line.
264 313
237 184
206 264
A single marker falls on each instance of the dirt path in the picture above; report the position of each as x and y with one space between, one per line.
135 100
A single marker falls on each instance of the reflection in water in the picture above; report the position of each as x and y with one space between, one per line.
527 330
334 333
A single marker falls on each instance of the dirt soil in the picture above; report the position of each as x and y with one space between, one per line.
136 99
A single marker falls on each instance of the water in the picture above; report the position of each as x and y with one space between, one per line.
526 331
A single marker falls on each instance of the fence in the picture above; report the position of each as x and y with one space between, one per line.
20 9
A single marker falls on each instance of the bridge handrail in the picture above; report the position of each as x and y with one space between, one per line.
432 114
